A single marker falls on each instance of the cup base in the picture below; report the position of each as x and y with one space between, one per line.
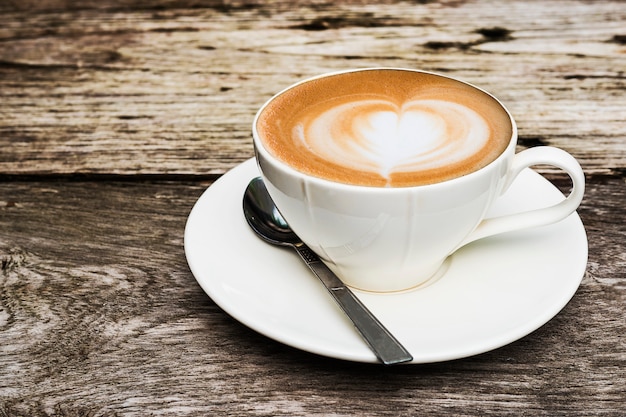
426 283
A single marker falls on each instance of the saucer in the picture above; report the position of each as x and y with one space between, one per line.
494 291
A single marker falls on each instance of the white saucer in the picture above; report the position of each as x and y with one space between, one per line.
494 292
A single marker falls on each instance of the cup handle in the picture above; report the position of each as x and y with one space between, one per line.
538 217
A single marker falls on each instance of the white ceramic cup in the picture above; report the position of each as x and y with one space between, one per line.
389 239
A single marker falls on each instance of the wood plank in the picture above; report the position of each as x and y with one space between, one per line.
100 316
158 90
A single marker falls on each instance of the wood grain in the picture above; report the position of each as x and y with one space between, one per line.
99 315
174 90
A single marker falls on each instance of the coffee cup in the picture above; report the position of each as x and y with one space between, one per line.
386 172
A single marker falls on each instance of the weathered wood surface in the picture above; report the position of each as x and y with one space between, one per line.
99 315
169 89
115 115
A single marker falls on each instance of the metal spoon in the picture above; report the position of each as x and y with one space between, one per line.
265 219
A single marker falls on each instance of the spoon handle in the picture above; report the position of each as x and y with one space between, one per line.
384 345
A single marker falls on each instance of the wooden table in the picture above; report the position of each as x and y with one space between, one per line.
115 116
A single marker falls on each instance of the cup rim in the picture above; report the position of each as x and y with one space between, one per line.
259 148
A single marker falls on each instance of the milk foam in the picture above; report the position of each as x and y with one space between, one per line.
384 127
379 136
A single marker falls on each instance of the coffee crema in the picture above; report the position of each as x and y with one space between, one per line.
384 127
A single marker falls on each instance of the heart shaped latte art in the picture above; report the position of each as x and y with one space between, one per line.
381 137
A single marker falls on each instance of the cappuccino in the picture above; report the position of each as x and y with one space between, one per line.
384 128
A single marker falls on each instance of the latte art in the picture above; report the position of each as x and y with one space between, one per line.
384 128
381 137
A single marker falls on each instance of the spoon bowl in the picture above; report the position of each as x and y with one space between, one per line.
263 216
